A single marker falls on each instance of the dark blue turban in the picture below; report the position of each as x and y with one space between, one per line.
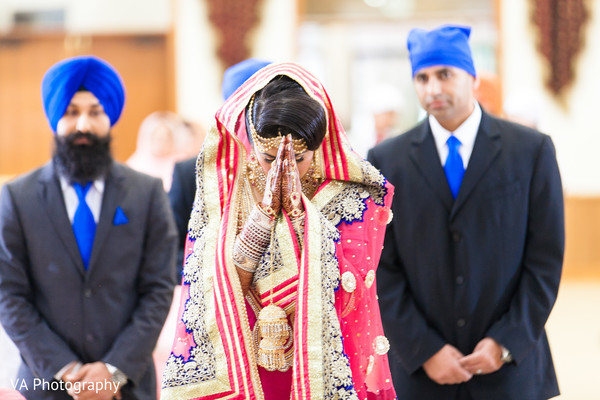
239 73
68 76
446 45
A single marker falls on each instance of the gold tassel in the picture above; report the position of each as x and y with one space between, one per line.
274 333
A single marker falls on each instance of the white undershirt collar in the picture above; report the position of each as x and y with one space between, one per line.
93 197
466 133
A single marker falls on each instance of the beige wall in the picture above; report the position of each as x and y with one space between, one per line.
199 72
572 123
97 16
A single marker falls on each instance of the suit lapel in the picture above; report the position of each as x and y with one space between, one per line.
425 157
487 147
112 194
53 201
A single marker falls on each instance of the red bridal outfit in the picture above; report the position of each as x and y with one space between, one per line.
325 280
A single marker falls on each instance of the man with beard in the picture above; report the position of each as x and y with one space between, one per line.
87 247
472 259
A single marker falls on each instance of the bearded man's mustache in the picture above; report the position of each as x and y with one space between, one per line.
82 156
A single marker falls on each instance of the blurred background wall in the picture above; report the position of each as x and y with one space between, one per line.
172 54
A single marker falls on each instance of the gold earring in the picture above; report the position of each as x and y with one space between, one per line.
312 178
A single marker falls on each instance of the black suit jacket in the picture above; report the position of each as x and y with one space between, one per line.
487 264
54 310
181 196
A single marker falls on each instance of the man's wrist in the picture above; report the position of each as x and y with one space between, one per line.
118 376
505 356
71 367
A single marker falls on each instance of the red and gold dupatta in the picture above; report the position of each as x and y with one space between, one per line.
213 355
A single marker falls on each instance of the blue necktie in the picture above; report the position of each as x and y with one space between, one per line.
84 225
454 167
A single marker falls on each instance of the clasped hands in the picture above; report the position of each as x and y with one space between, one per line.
283 188
94 375
449 366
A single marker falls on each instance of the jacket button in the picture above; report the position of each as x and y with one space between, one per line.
456 236
461 322
87 293
460 280
89 337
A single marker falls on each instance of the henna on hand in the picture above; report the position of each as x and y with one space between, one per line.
271 201
291 187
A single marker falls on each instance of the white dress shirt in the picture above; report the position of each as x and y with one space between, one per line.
93 198
466 133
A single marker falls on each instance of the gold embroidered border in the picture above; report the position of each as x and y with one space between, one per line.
211 198
213 207
213 290
285 237
283 301
328 192
232 277
309 286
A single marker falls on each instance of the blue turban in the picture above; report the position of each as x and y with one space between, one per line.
239 73
66 77
446 45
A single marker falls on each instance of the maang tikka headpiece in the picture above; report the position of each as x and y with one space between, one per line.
265 144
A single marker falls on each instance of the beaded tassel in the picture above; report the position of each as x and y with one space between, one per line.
273 332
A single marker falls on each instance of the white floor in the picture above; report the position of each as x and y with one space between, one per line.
573 328
574 333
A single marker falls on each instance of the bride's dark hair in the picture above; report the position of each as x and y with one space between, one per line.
283 106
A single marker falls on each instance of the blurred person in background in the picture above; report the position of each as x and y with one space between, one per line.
10 394
164 138
379 119
87 248
472 260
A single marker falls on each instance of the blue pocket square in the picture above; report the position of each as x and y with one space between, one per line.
120 217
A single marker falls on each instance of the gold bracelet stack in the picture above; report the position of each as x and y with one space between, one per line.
253 240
